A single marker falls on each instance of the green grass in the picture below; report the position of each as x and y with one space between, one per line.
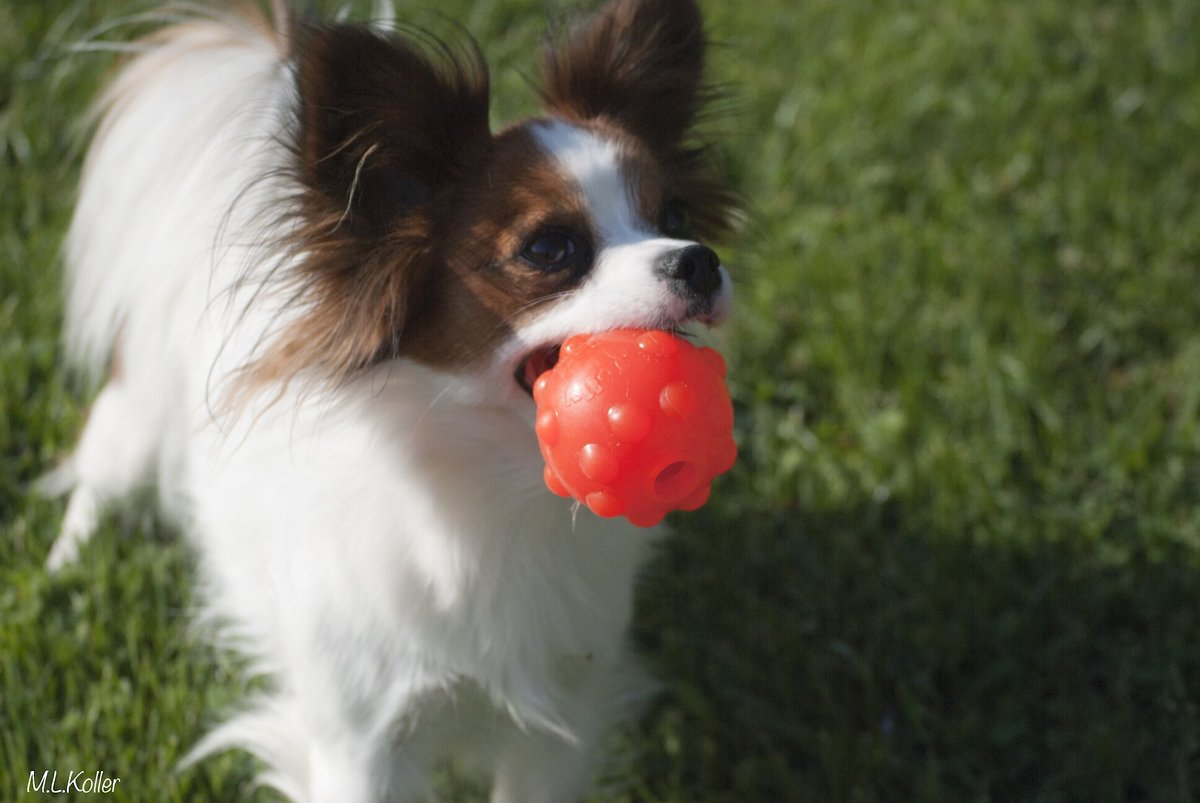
958 560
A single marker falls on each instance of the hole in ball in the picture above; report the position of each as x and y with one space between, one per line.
675 481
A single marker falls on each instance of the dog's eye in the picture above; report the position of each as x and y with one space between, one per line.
552 249
674 221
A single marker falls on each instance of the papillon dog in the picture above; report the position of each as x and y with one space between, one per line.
317 288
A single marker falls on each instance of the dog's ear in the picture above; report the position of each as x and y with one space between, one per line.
384 131
383 126
638 63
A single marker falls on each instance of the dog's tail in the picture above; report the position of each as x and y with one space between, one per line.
154 169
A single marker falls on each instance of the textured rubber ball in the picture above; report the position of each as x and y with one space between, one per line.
635 423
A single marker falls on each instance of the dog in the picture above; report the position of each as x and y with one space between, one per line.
315 290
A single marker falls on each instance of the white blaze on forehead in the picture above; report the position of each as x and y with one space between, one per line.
593 164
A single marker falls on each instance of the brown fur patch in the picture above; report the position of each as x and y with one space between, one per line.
636 67
516 192
638 62
384 133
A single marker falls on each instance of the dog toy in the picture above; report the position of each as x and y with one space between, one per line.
634 423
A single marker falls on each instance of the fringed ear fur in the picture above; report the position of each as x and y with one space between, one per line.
638 63
384 130
383 126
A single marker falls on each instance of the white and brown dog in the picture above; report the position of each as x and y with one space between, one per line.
321 289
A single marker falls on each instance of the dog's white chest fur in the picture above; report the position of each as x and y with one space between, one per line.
401 561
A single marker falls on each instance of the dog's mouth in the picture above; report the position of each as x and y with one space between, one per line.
536 363
543 358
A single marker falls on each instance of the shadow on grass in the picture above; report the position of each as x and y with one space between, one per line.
848 656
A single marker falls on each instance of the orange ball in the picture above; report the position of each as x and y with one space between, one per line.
635 423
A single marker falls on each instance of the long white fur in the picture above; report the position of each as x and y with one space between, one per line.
386 552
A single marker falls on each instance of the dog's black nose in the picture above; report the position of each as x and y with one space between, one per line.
695 270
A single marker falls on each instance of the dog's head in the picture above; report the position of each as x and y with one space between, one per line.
422 235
